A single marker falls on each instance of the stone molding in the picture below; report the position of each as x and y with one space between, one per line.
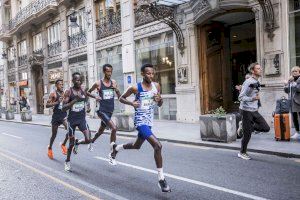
77 51
150 29
54 58
108 42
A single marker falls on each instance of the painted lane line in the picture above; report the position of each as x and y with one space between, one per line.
56 180
191 146
12 135
68 176
222 189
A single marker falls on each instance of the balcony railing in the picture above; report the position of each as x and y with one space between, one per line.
10 64
22 60
142 17
109 25
30 10
77 40
54 48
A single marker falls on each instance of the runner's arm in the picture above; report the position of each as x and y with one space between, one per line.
89 92
51 101
116 88
157 97
67 104
123 98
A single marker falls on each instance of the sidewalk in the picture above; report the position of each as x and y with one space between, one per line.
186 133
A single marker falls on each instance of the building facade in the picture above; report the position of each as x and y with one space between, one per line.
197 63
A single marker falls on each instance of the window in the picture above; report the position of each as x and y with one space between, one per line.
107 6
84 73
22 50
159 51
54 33
37 42
294 24
81 21
10 54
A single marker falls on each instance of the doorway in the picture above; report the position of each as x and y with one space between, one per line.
227 45
39 88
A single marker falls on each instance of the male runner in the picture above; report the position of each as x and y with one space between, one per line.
146 94
107 89
55 101
75 99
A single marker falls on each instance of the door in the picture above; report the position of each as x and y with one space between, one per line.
212 65
39 83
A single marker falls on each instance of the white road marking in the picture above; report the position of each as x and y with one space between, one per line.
222 189
11 135
297 160
191 146
66 175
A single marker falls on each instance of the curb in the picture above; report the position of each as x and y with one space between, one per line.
217 146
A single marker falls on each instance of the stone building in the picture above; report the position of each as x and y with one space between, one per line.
200 48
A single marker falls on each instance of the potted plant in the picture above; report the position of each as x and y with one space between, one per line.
218 126
9 114
124 121
26 115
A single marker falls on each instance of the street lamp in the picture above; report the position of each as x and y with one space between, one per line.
73 18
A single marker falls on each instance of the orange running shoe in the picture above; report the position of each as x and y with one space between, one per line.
50 153
63 149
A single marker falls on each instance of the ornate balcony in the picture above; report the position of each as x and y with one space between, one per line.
109 25
34 13
142 17
37 58
77 40
22 60
10 64
54 48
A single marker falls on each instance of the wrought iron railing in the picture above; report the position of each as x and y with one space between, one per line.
54 48
22 60
109 25
30 10
142 17
77 40
10 64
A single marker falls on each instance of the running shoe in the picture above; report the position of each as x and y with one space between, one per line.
112 155
91 147
50 153
67 166
75 148
112 159
163 185
244 156
64 149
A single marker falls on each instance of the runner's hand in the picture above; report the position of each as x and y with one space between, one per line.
157 98
98 98
136 104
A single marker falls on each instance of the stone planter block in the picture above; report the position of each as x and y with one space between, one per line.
218 129
26 116
124 122
9 115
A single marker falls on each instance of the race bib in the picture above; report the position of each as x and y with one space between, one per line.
108 94
146 102
78 106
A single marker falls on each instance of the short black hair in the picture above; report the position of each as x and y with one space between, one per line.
75 73
57 81
106 65
144 66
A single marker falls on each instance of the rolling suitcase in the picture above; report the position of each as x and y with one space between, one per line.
282 127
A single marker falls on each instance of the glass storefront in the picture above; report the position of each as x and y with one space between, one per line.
159 51
294 26
112 56
82 69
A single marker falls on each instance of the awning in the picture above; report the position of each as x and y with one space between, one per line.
171 2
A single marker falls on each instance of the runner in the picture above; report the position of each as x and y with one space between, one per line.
74 100
146 93
58 117
106 88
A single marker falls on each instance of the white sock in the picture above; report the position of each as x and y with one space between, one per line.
119 147
160 174
112 144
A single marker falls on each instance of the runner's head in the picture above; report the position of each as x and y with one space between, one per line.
77 79
147 72
107 70
255 69
59 84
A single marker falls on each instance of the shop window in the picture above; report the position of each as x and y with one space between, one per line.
294 24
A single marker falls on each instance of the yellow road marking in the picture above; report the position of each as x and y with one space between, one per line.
67 185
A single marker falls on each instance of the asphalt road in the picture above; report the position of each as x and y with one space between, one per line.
192 172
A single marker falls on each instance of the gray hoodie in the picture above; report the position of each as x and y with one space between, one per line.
247 94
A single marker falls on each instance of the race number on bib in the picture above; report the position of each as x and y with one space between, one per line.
108 94
146 102
78 106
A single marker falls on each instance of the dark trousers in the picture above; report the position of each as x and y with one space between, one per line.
295 117
252 121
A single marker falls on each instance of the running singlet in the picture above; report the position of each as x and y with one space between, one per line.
145 113
57 111
77 111
107 95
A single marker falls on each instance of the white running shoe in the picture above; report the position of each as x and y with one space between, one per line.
240 129
112 160
91 147
244 156
67 166
295 136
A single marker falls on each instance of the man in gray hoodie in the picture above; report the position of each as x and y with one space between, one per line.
249 103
